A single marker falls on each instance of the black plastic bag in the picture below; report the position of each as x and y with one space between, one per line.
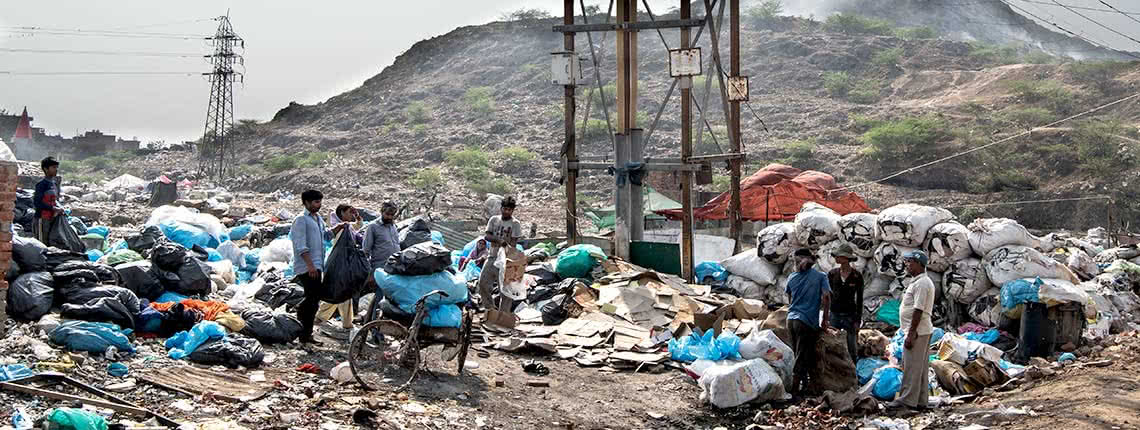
193 278
77 225
54 257
106 274
104 309
62 236
556 310
542 275
346 271
199 252
281 293
420 259
168 256
139 277
416 233
145 240
30 296
14 271
29 254
80 294
25 209
67 278
269 328
178 318
231 351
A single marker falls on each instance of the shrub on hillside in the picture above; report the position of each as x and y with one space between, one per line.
301 160
1098 147
1100 74
851 23
1029 117
469 157
904 140
515 158
836 83
1050 94
866 91
418 112
915 33
799 152
490 185
479 99
887 57
524 14
766 11
427 179
994 54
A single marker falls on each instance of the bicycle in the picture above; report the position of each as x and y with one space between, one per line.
386 350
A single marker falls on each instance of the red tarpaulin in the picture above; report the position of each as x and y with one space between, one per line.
776 193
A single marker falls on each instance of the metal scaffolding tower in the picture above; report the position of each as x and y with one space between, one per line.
215 152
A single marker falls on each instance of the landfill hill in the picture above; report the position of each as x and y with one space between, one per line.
852 96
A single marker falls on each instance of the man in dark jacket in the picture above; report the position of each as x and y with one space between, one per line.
46 201
847 296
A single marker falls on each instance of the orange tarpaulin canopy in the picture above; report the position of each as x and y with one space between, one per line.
776 193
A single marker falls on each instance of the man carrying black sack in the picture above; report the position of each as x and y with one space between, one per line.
309 234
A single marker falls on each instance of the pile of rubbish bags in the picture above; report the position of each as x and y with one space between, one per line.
416 271
972 264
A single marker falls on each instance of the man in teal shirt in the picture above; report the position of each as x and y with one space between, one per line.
808 292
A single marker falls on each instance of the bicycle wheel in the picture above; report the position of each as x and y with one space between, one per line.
376 354
464 340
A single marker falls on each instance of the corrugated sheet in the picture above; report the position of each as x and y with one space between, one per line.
453 238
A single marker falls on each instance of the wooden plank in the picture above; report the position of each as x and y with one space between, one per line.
196 381
67 397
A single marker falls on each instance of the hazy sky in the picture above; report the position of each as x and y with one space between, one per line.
300 51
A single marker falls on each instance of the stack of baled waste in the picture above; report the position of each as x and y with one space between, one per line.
969 262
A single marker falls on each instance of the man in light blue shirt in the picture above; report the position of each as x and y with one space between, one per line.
308 234
808 292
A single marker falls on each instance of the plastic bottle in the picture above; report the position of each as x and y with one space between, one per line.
20 420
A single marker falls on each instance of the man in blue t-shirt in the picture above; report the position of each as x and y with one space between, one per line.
808 292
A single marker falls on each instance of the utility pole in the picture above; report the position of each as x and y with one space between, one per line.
571 153
686 152
215 153
734 123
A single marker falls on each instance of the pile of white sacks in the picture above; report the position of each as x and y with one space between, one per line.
969 262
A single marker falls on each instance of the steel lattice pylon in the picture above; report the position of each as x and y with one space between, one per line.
215 154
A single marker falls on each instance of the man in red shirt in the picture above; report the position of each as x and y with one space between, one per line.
46 201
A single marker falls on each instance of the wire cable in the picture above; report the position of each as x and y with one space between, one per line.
1082 37
1129 15
84 52
1025 202
132 73
1097 23
998 142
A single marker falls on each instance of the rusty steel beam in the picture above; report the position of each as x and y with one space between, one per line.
635 25
571 153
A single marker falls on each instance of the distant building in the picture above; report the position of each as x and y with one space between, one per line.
31 144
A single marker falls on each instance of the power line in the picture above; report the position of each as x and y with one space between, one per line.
80 30
86 52
1086 39
1098 23
165 24
132 73
1025 202
35 32
998 142
1118 11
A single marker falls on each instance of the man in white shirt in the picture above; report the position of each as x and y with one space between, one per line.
914 317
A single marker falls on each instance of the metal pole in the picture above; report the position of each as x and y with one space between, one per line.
686 152
636 196
734 126
621 198
571 146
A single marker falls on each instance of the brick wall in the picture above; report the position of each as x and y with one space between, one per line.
9 181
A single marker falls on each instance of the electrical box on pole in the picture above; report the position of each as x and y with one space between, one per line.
685 62
565 68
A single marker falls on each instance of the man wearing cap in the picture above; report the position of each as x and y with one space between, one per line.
847 302
914 317
808 292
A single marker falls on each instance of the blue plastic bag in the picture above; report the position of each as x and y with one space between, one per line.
437 237
936 336
183 343
888 384
988 337
710 269
1019 291
9 372
253 259
703 346
170 297
240 232
213 255
471 272
866 368
187 235
118 370
470 246
404 291
1068 356
444 316
121 244
94 255
91 337
100 230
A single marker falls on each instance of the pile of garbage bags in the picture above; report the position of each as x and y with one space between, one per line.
970 263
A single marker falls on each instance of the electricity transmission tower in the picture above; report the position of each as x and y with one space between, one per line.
215 153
